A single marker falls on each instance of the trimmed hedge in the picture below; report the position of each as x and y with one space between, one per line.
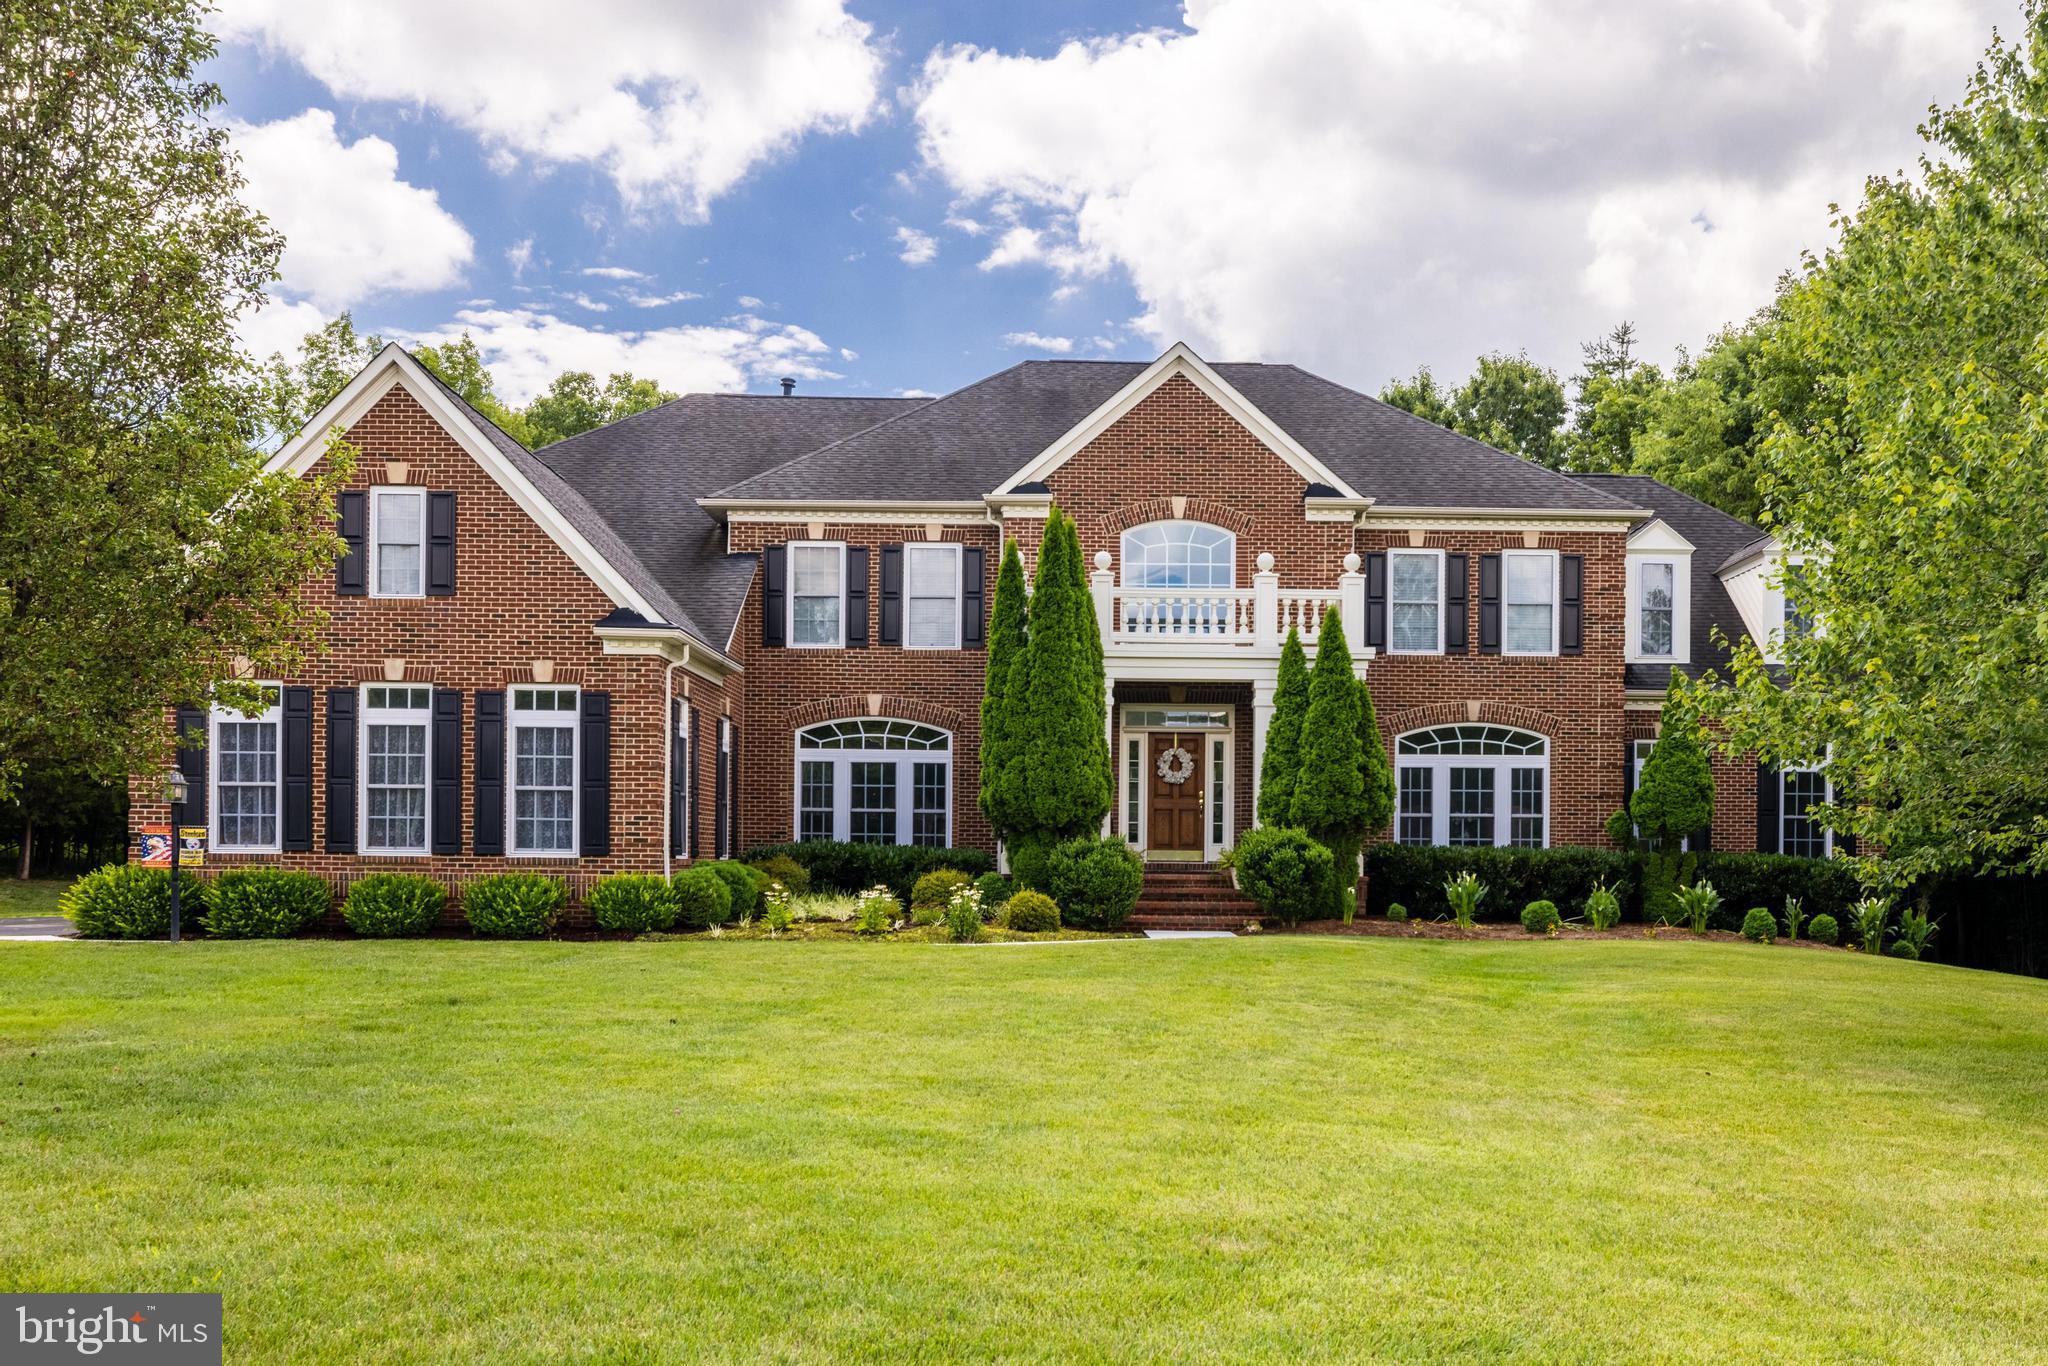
1415 875
703 898
633 902
513 905
745 884
1031 913
126 901
1285 871
1095 880
841 866
393 905
265 903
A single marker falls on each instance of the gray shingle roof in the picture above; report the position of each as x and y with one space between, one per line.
645 474
962 446
1715 536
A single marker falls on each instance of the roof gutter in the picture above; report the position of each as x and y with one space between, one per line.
1397 512
803 509
671 643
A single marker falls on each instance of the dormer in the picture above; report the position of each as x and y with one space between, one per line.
1756 578
1659 595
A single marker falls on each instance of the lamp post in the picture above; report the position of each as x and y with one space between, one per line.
180 789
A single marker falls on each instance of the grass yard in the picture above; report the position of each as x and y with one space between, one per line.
37 896
1280 1146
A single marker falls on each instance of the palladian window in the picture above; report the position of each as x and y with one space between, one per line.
1473 785
874 781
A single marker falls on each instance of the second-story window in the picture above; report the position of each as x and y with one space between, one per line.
1416 584
1179 555
1659 607
1531 603
931 584
817 596
398 531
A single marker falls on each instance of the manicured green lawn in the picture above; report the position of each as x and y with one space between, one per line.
37 896
1257 1147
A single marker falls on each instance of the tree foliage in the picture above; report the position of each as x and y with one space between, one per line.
141 545
575 403
1509 402
1281 762
1915 491
1008 624
1330 800
1674 800
1062 750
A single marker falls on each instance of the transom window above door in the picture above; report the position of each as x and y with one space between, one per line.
1179 555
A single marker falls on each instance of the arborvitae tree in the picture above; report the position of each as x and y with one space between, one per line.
1061 749
1375 773
1007 628
1282 761
1330 800
1674 799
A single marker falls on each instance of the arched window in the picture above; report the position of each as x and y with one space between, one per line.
1473 785
1179 555
874 781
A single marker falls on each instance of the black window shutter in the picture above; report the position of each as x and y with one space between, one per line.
1628 773
973 600
1489 604
696 743
440 545
856 595
678 782
352 571
721 794
774 593
487 821
1571 592
892 595
596 816
1767 794
297 830
1376 600
1457 602
447 757
341 770
1845 842
732 804
192 763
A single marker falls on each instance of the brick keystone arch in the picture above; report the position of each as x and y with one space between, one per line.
1399 723
854 706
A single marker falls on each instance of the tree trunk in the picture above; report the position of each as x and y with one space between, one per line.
28 845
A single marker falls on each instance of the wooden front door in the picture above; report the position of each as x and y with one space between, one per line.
1175 824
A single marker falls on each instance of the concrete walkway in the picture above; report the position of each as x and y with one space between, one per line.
36 927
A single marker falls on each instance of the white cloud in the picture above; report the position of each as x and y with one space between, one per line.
918 247
1364 188
582 300
352 228
614 273
527 348
915 393
519 256
1038 342
280 325
676 103
748 301
639 300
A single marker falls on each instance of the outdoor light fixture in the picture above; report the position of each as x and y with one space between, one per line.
180 790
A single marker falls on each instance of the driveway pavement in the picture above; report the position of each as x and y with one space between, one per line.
36 927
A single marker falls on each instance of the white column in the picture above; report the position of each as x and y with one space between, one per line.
1266 602
1262 719
1351 601
1103 584
1116 780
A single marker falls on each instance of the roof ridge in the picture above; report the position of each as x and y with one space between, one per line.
887 421
1673 489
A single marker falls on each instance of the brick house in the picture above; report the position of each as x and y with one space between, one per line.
740 619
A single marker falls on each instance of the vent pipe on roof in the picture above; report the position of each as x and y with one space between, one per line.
788 386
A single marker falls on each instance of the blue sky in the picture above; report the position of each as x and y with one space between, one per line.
899 197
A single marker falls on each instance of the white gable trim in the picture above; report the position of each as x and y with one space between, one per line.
393 368
1659 535
1178 360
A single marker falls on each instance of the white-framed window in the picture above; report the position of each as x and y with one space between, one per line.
1657 609
542 734
1415 602
1529 602
1179 555
1639 757
931 597
398 543
817 595
246 783
1472 785
396 720
874 781
1800 790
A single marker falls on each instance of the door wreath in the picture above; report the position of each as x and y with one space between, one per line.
1176 766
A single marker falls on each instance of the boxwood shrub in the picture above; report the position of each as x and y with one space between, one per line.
1286 872
266 903
995 889
514 905
1823 929
393 905
1539 917
934 890
1759 925
795 879
1095 880
703 898
839 866
125 901
633 902
743 884
1031 913
1822 885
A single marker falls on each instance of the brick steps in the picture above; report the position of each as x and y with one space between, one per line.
1190 896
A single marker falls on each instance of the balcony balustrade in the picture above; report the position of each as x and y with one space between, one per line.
1223 622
